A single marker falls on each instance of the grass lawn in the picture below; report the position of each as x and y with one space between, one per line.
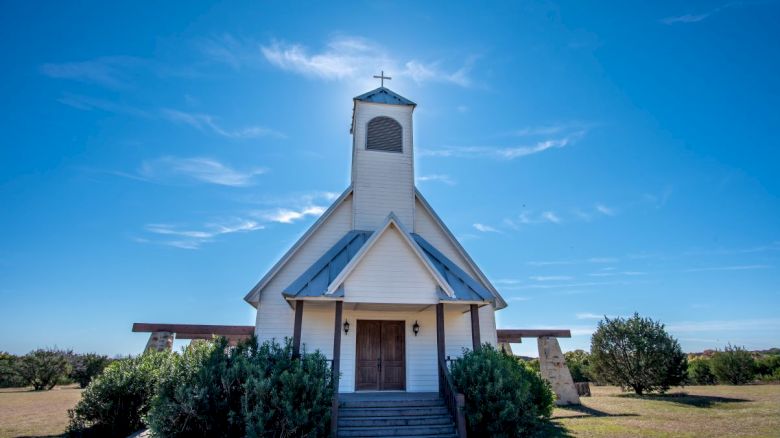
693 411
725 411
24 412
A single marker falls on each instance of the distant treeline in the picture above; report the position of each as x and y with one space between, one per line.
44 368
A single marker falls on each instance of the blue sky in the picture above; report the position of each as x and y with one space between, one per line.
157 159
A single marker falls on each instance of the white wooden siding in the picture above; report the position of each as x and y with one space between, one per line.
427 227
383 181
390 272
274 315
421 352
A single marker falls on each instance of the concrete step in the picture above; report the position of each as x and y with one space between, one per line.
390 403
445 435
396 431
393 412
422 420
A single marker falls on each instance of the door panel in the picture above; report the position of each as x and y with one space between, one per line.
368 355
380 355
393 373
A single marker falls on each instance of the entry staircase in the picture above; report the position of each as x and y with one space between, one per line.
397 415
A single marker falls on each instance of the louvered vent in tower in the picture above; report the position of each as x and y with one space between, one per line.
384 134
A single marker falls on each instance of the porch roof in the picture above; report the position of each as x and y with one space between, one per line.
465 287
314 282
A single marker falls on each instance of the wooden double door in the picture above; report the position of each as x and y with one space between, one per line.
380 355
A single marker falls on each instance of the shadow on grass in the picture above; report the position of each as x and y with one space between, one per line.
40 436
554 428
683 398
586 412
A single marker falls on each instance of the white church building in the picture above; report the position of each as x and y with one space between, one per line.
379 284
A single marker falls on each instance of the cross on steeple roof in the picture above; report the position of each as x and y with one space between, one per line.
382 78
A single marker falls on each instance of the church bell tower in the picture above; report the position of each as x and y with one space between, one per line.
382 159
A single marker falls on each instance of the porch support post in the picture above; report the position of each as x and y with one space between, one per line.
440 343
475 341
335 368
297 328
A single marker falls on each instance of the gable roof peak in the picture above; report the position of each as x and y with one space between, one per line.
384 95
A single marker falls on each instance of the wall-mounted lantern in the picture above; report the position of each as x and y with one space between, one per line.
346 327
416 328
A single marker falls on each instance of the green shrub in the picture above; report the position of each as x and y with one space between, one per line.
504 397
700 372
637 353
248 390
733 365
292 398
768 366
43 368
9 376
84 367
115 402
578 362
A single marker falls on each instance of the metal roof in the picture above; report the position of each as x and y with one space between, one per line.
384 95
465 287
315 280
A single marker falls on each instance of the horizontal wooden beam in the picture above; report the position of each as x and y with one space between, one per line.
513 336
195 329
209 336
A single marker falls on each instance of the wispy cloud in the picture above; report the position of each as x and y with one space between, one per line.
603 209
701 16
446 179
687 18
551 217
482 228
552 129
86 103
288 216
232 51
555 285
596 260
200 169
550 278
589 316
501 152
105 71
207 122
613 273
508 281
350 57
728 268
187 238
724 325
202 122
114 72
529 218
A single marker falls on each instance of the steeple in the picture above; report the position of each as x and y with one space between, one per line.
382 158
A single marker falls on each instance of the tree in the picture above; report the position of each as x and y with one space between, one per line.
733 365
43 368
578 362
9 376
637 353
700 372
84 367
768 365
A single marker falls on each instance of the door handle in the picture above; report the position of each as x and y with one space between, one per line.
379 364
